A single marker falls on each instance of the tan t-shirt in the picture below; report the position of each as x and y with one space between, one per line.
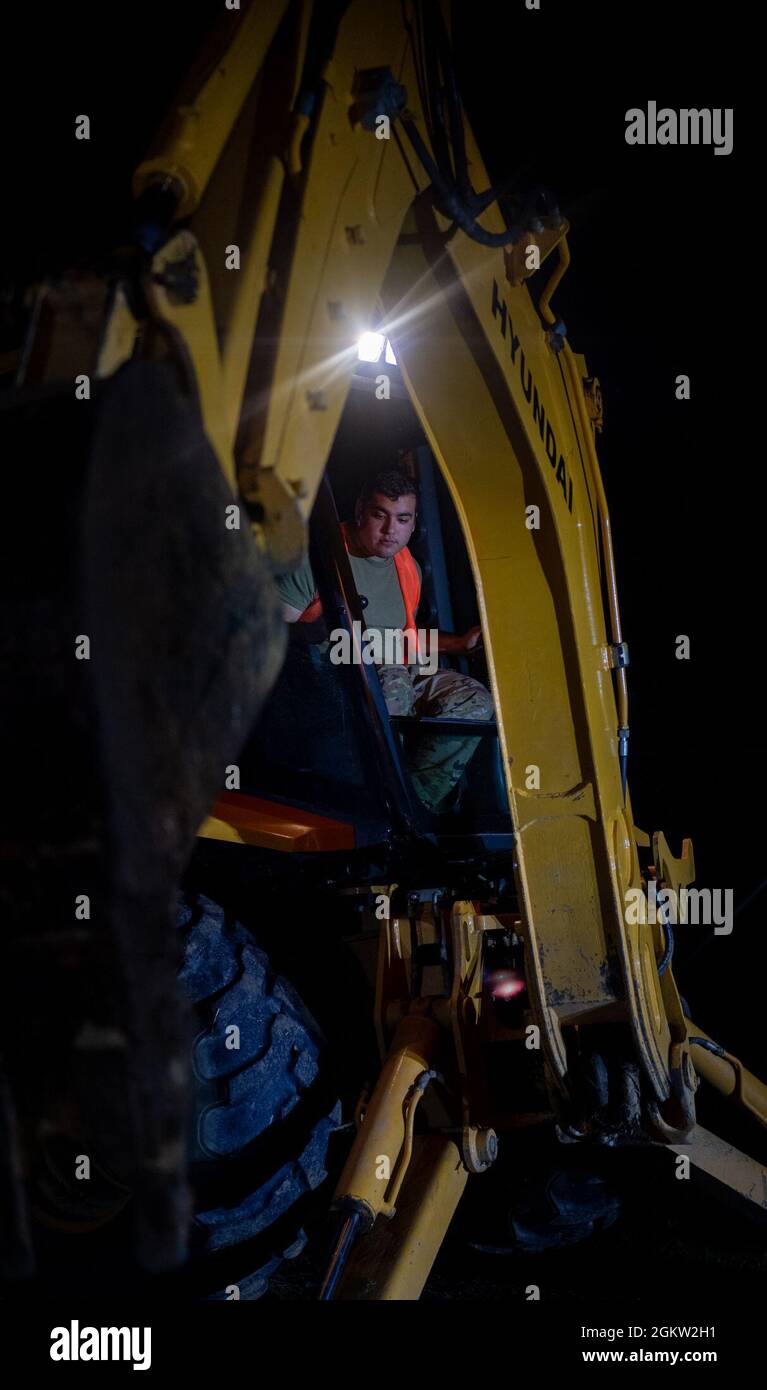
377 584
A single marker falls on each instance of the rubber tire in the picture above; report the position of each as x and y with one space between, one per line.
264 1109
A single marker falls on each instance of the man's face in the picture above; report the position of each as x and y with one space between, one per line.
385 527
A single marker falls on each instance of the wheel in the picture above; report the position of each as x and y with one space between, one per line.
264 1109
563 1209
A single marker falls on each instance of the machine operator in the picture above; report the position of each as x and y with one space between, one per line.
388 581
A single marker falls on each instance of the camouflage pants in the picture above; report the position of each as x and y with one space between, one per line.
437 762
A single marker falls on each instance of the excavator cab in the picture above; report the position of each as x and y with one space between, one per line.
326 746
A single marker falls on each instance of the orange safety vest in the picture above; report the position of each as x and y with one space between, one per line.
409 582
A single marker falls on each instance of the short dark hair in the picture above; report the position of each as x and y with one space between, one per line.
392 482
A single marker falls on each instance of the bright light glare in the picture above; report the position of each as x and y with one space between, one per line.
370 347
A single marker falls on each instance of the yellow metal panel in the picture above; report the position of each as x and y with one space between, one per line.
543 616
193 326
189 145
243 216
384 1131
356 194
726 1164
394 1261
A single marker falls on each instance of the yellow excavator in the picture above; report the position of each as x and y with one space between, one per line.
317 180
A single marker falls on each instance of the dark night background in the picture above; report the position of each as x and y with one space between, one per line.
661 239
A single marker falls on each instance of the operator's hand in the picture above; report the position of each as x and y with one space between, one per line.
457 644
472 640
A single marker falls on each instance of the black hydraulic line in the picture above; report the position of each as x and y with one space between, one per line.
437 130
457 135
449 199
422 62
708 1045
669 951
490 195
415 40
454 187
474 202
